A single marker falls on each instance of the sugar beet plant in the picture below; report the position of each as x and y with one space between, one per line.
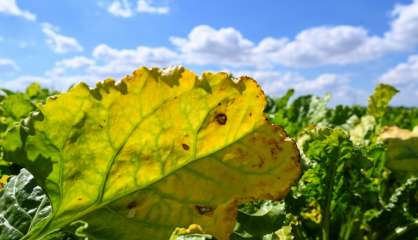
165 154
133 160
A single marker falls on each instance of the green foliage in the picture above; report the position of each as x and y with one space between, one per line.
347 190
22 206
403 117
304 111
341 182
259 220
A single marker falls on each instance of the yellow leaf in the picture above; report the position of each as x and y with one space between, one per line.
3 180
160 149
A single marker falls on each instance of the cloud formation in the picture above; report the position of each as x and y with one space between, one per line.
148 6
9 7
323 45
60 43
275 61
404 77
120 8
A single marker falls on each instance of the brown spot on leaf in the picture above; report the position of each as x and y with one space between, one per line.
185 146
260 164
131 205
204 210
221 118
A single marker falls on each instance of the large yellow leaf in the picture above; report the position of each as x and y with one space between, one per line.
160 149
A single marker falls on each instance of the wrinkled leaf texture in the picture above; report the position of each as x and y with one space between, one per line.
160 149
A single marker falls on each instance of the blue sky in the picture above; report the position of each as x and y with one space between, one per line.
343 47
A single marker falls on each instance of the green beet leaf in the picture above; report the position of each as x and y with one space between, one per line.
22 206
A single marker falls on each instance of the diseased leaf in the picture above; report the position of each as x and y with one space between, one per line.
22 206
3 180
380 99
160 149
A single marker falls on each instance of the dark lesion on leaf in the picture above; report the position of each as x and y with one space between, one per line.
185 146
132 205
221 118
204 210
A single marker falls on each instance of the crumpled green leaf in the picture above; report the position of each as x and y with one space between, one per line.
22 206
14 108
304 111
340 181
160 149
399 217
259 220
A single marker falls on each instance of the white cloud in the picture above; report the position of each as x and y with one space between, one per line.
229 48
120 8
70 66
56 82
323 45
348 44
118 62
75 62
148 6
10 7
404 77
7 65
312 47
60 43
21 82
277 83
403 33
205 45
